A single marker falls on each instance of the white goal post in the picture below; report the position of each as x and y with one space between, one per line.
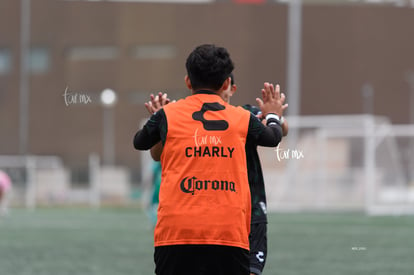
45 180
26 172
350 162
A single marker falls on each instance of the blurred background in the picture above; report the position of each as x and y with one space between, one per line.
74 76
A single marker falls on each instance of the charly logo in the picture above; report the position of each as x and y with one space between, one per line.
191 184
260 256
211 125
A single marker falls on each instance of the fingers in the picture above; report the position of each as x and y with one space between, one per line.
155 101
164 99
282 98
270 92
267 91
159 100
276 93
273 100
149 107
259 102
264 94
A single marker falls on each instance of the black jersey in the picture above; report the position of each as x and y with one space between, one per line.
255 175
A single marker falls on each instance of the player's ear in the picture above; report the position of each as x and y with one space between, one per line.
188 82
233 89
226 84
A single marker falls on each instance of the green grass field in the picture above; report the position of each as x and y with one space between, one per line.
119 241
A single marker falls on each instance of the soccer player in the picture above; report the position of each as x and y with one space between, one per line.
5 188
258 230
204 209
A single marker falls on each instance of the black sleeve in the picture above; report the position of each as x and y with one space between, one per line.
261 135
152 132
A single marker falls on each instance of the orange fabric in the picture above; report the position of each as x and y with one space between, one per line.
204 194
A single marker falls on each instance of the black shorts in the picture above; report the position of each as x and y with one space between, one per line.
258 247
201 259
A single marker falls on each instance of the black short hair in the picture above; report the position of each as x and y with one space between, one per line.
208 67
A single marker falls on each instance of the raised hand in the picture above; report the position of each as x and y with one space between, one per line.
157 102
272 100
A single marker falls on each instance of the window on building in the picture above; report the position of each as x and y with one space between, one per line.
39 61
92 53
5 61
154 52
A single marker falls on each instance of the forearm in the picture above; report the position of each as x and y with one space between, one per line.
150 134
143 140
271 136
156 151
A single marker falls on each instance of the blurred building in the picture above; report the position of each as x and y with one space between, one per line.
79 48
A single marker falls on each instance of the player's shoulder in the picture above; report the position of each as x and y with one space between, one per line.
238 110
175 105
